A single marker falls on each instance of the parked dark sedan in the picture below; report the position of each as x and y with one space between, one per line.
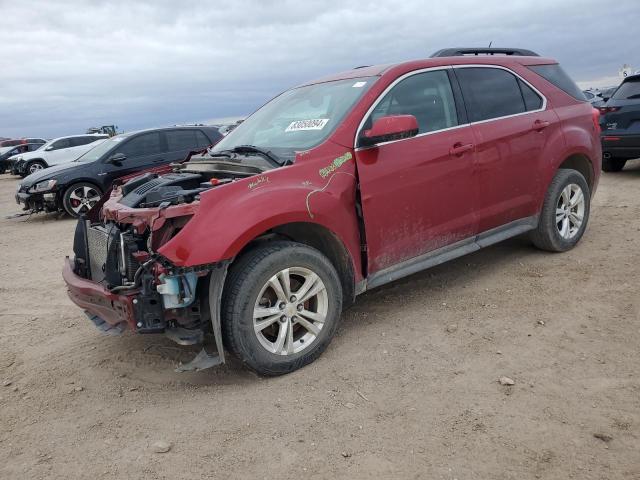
620 124
77 186
7 152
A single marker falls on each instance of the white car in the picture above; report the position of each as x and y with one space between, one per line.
55 152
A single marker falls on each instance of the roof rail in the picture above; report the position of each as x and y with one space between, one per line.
460 52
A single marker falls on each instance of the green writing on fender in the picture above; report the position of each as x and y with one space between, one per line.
337 163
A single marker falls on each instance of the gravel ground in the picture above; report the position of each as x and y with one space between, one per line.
409 388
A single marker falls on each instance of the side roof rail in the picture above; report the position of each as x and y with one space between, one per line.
460 52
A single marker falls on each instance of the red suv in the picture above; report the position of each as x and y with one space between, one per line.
333 188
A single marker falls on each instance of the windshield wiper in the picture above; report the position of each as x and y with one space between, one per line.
253 149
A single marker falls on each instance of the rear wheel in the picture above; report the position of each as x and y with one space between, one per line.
281 307
79 198
613 164
34 166
564 214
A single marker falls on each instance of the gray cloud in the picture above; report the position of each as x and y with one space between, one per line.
68 65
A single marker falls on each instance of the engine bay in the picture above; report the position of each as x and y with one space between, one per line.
188 180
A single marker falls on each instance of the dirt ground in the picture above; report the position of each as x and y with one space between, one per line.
408 389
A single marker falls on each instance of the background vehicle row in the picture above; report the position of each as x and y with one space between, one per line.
78 185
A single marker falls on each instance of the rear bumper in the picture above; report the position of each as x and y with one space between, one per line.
621 146
114 309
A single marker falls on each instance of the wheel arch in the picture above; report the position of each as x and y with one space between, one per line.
583 164
67 186
32 160
62 191
322 239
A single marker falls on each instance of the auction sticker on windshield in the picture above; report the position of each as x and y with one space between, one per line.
314 124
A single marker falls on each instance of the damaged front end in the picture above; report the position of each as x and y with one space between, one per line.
121 281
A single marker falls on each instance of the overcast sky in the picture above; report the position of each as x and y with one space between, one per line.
67 65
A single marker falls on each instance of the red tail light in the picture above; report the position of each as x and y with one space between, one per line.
596 120
605 110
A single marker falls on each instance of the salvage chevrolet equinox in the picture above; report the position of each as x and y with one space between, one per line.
333 188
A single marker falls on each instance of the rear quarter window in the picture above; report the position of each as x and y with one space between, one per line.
554 74
629 90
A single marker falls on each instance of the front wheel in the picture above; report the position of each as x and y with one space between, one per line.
33 167
79 198
281 307
564 214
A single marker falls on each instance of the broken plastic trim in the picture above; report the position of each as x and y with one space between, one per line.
205 359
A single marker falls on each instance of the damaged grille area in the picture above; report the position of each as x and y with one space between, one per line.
102 246
105 254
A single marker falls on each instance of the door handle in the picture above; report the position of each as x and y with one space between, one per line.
540 125
458 149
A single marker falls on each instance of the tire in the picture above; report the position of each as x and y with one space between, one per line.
561 231
33 167
613 164
80 197
249 278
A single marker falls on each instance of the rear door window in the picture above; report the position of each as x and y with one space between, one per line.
62 143
203 140
629 90
490 93
78 141
532 100
179 140
142 145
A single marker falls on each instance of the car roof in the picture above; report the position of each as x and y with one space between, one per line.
175 127
400 68
100 135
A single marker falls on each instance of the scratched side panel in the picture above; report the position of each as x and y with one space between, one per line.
319 188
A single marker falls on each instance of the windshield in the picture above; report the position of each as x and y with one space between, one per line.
298 119
99 150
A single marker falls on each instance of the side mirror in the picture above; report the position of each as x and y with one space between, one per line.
117 159
392 127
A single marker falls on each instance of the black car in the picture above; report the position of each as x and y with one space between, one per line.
75 187
7 152
620 123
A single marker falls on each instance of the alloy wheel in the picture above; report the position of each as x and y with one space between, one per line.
570 211
290 311
83 198
35 167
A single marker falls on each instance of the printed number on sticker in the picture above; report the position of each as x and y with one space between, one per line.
315 124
